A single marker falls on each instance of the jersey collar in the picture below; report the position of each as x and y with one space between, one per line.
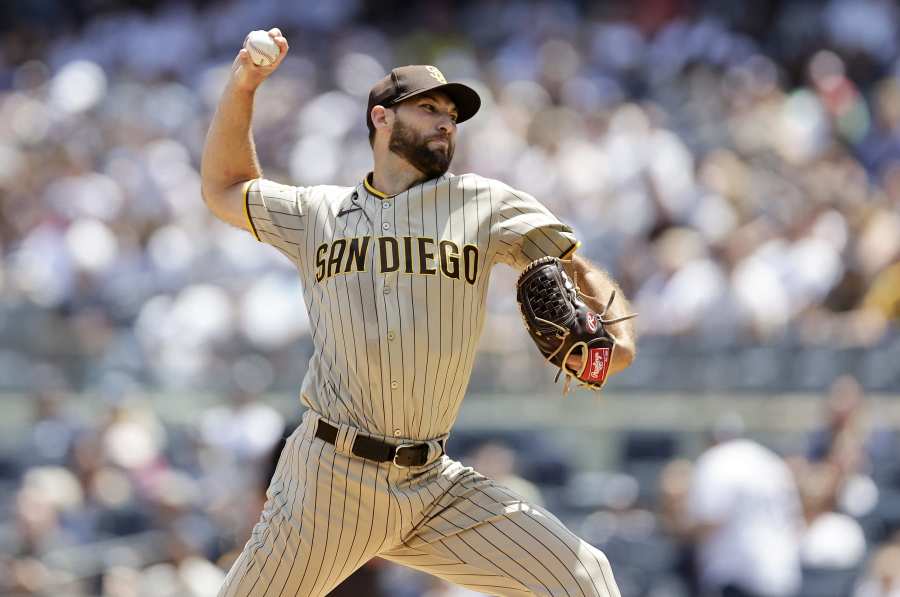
370 188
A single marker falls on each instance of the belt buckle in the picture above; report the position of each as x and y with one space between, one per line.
397 453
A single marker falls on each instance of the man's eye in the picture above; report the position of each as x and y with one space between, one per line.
428 107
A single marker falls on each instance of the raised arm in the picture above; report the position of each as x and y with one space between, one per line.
229 156
598 286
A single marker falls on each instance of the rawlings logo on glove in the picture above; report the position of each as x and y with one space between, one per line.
599 365
563 326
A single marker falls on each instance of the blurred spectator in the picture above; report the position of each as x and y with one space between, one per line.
882 579
240 485
498 462
674 499
883 295
52 430
856 443
746 518
844 421
831 539
247 428
47 496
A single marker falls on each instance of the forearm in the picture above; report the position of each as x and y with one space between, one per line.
598 286
229 155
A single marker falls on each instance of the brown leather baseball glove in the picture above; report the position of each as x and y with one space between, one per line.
563 326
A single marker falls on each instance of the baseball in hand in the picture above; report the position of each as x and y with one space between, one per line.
262 48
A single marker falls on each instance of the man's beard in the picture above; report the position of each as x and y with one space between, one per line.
413 147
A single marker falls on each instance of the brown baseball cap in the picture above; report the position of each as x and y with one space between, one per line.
405 82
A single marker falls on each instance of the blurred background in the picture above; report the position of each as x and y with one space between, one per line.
734 164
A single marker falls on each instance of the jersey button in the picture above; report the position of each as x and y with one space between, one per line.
391 335
385 226
397 433
386 205
387 290
394 384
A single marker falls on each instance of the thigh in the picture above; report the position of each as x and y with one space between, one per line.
480 535
326 515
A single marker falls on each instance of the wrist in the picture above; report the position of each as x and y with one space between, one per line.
243 89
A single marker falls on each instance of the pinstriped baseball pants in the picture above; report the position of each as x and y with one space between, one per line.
328 513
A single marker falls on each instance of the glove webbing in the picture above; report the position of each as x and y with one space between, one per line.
582 346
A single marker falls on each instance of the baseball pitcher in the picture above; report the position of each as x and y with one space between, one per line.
395 272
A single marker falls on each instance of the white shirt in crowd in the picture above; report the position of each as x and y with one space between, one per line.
747 492
833 540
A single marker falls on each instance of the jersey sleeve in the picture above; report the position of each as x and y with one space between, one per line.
527 230
275 213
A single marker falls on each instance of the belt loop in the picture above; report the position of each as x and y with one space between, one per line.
310 423
345 438
435 450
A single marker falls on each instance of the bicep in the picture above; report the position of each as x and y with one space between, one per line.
229 204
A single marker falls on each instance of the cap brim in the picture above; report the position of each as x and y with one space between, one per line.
466 99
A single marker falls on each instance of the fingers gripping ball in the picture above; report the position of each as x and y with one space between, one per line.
262 48
562 325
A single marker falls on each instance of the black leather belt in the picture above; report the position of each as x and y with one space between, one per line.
403 455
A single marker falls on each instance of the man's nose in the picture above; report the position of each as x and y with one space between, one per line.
446 125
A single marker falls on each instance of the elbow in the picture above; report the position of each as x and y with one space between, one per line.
209 199
212 184
206 193
212 199
208 181
212 194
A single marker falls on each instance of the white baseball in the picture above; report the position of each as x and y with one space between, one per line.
262 48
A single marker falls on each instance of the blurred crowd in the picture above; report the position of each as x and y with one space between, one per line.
128 505
735 164
821 521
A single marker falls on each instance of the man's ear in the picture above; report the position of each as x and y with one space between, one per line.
381 117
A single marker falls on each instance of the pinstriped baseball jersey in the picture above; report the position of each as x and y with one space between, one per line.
395 287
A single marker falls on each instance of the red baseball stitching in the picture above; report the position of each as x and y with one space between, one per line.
271 59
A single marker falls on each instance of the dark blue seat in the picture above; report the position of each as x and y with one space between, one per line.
828 582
